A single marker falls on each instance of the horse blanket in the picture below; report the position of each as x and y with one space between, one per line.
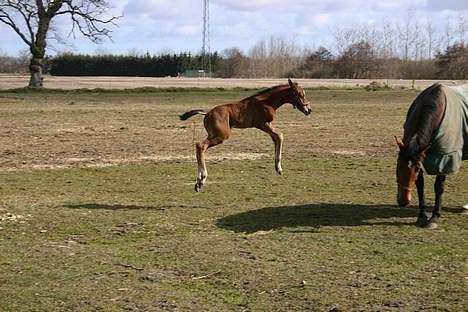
449 145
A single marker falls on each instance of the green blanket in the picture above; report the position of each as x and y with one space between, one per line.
449 145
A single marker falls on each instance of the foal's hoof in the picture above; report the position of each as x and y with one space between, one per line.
198 187
431 226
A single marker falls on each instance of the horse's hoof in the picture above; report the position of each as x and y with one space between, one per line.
421 221
431 226
197 187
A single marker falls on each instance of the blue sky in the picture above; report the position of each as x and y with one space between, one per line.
156 26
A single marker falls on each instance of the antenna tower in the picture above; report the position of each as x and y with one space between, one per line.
206 50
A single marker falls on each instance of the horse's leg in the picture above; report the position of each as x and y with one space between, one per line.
439 190
201 149
202 173
422 218
465 210
277 138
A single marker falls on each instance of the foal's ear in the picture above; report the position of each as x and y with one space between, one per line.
291 84
399 143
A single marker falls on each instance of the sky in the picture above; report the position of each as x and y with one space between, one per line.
159 26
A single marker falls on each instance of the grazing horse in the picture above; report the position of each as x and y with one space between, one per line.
436 139
257 111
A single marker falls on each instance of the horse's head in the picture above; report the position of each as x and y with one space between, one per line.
298 98
409 164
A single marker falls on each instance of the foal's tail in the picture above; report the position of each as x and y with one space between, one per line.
191 113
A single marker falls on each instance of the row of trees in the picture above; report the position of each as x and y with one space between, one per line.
409 49
358 60
127 65
10 64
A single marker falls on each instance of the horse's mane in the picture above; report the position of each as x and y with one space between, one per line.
265 91
419 125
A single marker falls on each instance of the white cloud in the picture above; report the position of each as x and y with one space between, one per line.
157 9
452 5
151 25
245 5
187 30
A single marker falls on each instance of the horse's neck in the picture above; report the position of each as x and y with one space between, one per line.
422 120
276 98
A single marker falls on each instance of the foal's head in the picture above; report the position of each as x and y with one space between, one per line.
298 98
409 164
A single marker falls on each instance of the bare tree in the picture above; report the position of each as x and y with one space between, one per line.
258 60
407 35
448 38
388 40
419 42
430 33
233 64
462 29
32 21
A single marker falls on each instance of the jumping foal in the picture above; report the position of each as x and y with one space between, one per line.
257 111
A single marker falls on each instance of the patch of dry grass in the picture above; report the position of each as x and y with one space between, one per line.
89 129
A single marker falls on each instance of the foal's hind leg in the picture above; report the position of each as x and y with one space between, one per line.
201 149
277 138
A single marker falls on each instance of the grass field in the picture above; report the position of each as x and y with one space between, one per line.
98 212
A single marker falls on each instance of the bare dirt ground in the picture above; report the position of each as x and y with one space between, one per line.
43 130
68 83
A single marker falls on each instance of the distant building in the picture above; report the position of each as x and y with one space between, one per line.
200 73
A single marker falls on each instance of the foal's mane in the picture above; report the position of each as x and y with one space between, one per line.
419 125
266 91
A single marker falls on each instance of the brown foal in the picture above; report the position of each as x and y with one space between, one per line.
257 111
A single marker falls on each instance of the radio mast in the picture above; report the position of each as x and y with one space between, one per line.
206 50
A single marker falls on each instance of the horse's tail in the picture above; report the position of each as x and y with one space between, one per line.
191 113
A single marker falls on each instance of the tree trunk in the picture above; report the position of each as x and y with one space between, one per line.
35 69
38 49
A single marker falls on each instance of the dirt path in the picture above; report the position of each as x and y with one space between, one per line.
19 81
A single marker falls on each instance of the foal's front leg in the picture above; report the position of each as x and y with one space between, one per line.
277 138
439 190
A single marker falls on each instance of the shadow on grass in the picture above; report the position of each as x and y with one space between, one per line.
109 207
317 215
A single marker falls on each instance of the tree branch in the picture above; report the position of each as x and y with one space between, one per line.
88 19
23 9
